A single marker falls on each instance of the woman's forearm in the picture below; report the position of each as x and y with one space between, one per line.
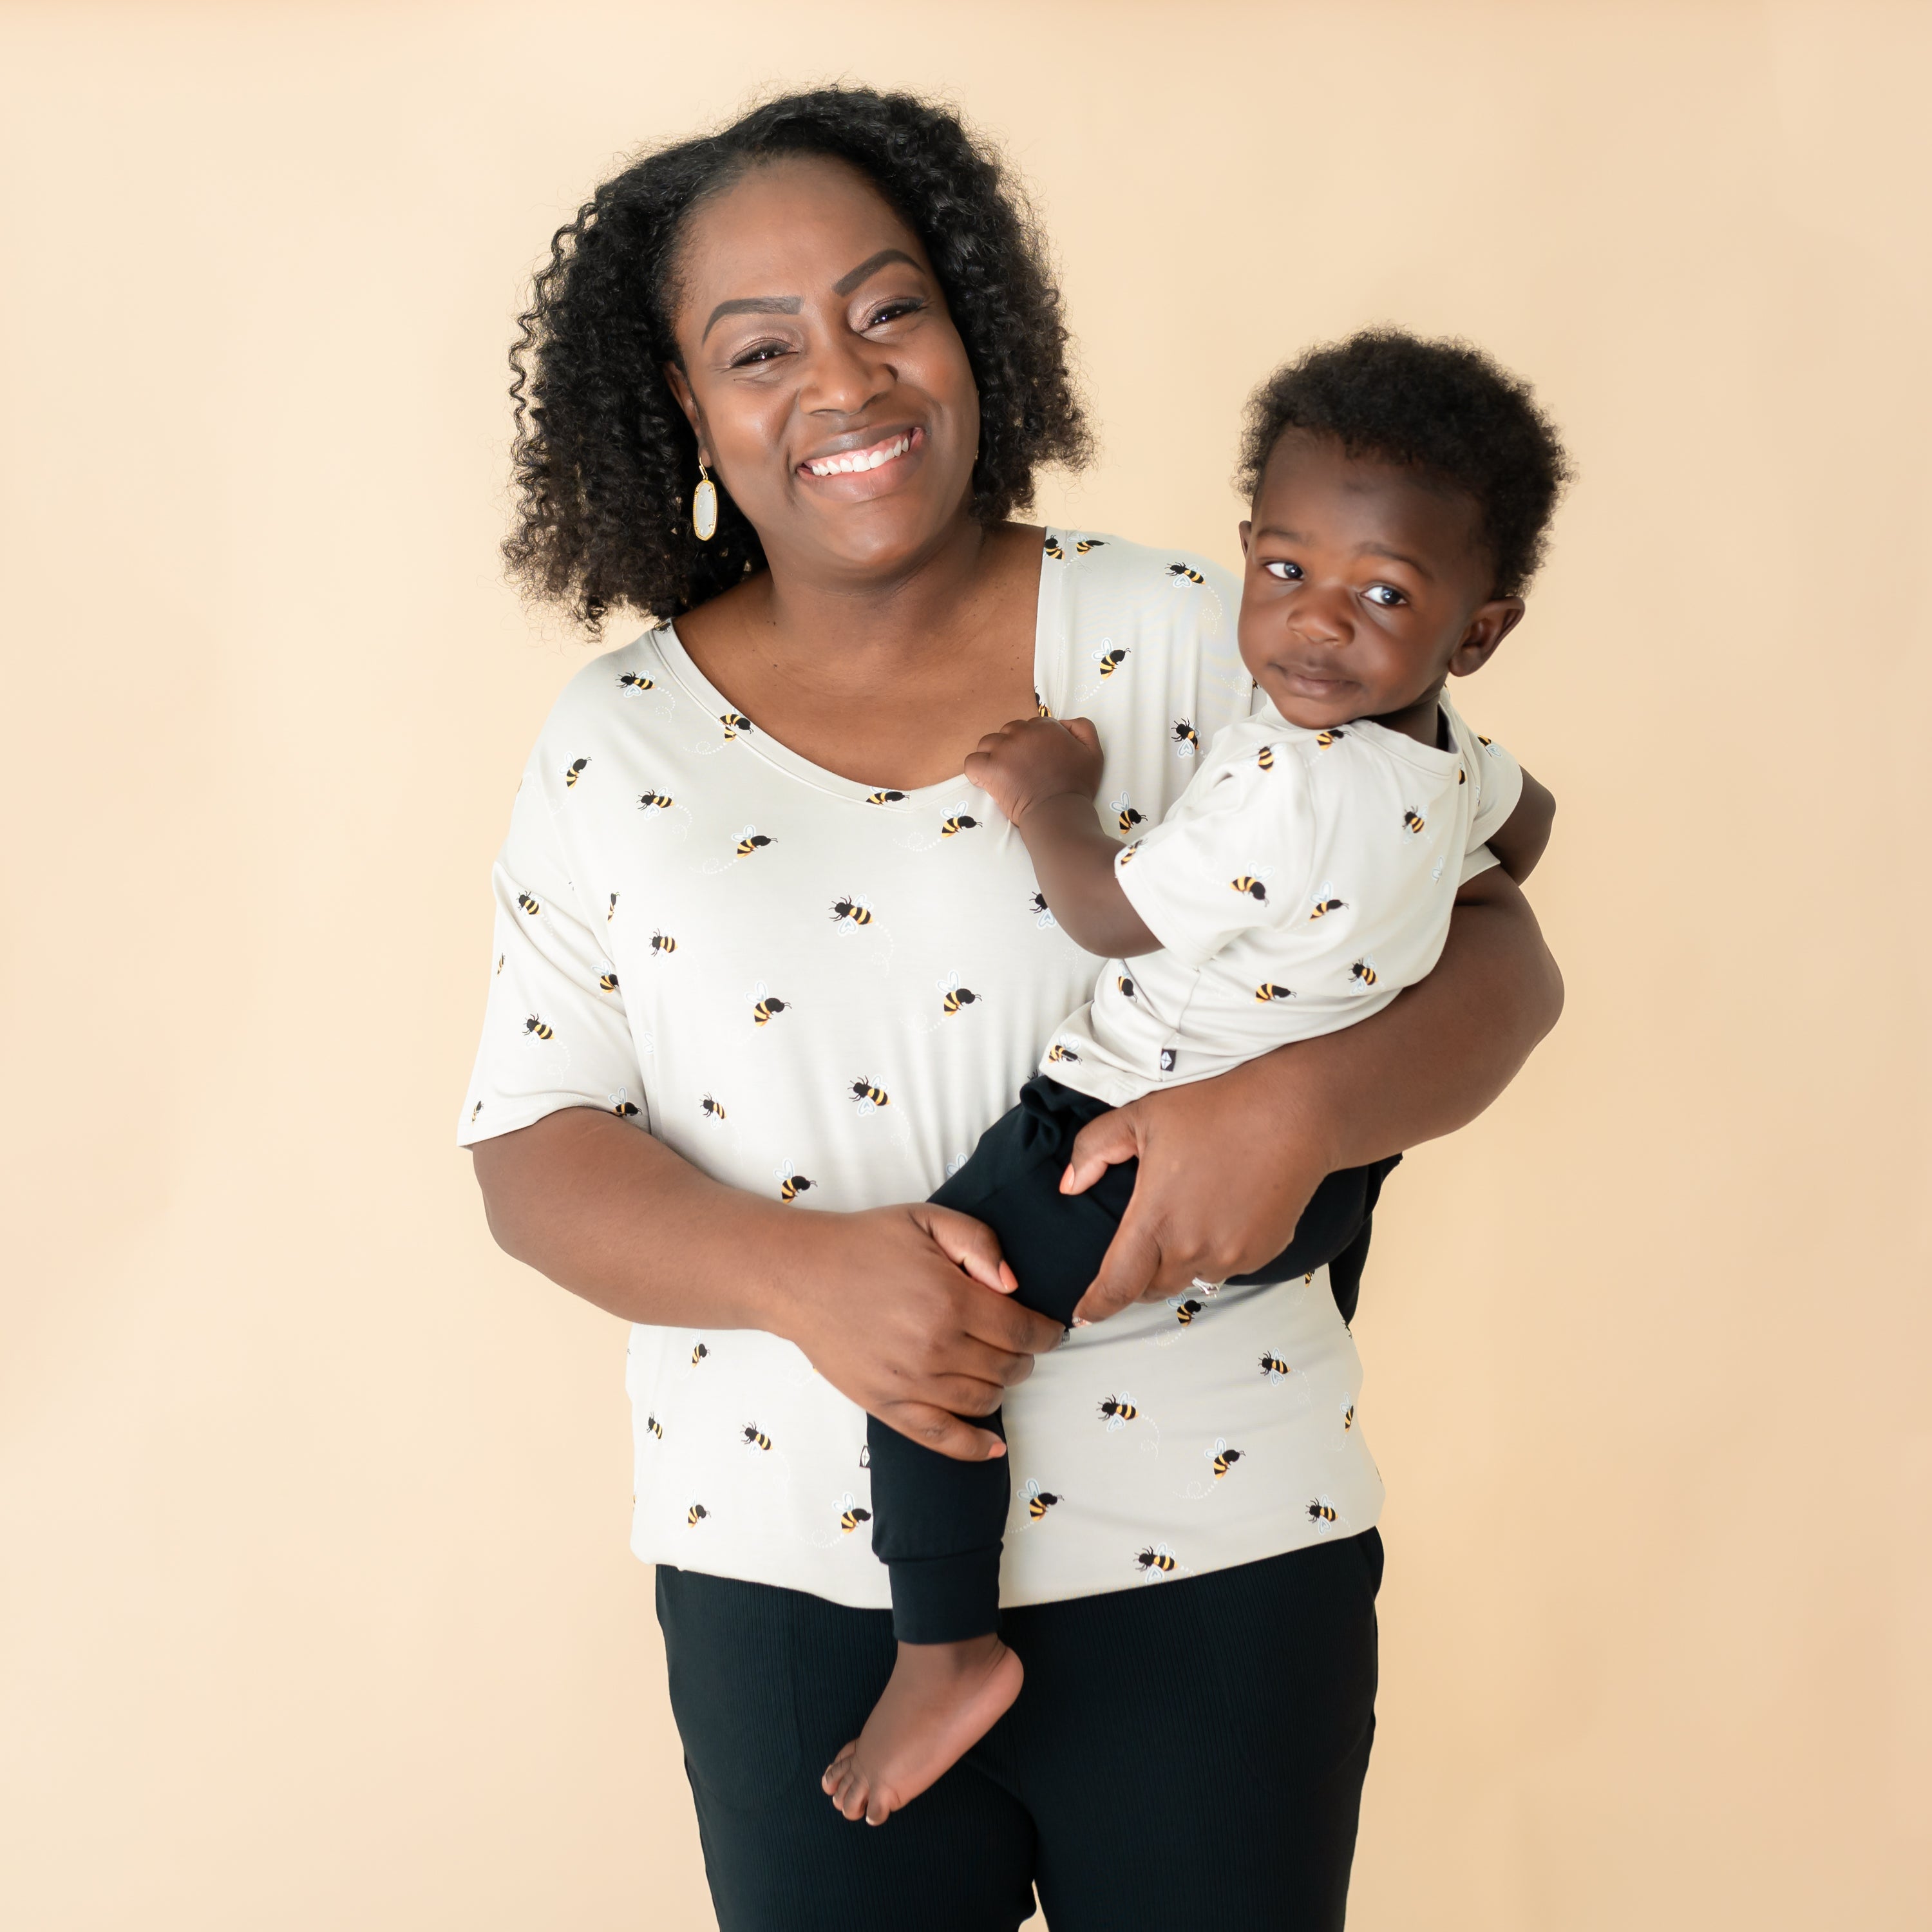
614 1215
1433 1060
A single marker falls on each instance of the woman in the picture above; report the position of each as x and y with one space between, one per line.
748 905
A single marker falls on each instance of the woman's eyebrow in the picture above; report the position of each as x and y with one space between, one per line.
871 265
752 305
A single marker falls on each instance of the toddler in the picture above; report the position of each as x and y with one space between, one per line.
1400 489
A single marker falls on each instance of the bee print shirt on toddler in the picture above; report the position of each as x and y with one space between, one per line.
1304 878
822 992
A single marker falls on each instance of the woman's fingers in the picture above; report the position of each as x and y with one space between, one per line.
971 1245
1130 1268
937 1428
1101 1144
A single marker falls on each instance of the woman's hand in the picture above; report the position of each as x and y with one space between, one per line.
1036 758
892 1307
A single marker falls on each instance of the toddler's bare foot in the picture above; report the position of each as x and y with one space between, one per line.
942 1698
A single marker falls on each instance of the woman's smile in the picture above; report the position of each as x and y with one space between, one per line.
857 466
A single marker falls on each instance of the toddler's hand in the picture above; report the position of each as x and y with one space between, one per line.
1035 758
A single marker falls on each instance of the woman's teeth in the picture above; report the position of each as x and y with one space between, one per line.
861 459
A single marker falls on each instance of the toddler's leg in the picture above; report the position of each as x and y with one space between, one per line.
937 1523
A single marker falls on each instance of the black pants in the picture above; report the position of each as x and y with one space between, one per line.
937 1523
1186 1756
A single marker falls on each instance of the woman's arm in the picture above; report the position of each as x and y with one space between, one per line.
1523 837
889 1306
1228 1165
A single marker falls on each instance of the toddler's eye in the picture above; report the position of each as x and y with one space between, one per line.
1284 573
1386 595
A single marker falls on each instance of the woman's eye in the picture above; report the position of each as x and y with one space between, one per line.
1284 573
892 311
759 352
1386 595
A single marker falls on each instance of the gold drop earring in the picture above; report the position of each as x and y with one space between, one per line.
704 504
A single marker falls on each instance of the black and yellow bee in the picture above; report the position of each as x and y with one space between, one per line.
625 1110
1091 543
1363 973
695 1515
1039 1501
1323 907
1411 821
1321 1511
1251 885
1273 1365
791 1185
474 1112
529 904
1041 708
961 822
957 997
541 1028
1268 990
856 911
1185 735
1462 776
662 942
575 772
755 1438
1057 1051
884 797
499 962
1053 549
1325 738
1485 742
1111 661
866 1094
1348 1418
1225 1459
762 1009
1128 819
1156 1557
1184 1312
1037 904
607 982
1265 757
611 911
1178 571
1126 985
1126 857
1118 1411
851 1517
734 722
752 842
655 1426
655 801
631 681
712 1109
698 1354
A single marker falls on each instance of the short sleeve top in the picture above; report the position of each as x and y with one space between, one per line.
822 992
1303 880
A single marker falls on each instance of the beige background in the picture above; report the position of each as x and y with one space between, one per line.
316 1609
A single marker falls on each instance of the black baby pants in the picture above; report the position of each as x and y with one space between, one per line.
937 1522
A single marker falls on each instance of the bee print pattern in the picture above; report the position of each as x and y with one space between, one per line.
1363 972
1323 739
1043 914
1041 708
654 1426
1222 1458
734 722
960 821
1057 1053
1348 1417
1125 817
1186 740
751 840
1126 857
1265 757
1038 1501
1053 549
529 904
1324 904
1273 1367
712 1110
662 942
611 911
1089 543
791 1183
1184 1312
541 1028
500 964
849 912
1124 986
1250 883
607 982
695 1515
1185 573
574 771
474 1112
764 1005
1412 822
1117 1411
953 996
698 1354
654 801
625 1109
1110 662
1156 1561
1321 1510
850 1515
1268 990
755 1438
870 1099
632 682
885 798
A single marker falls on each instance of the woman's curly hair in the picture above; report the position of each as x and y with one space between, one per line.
603 461
1444 409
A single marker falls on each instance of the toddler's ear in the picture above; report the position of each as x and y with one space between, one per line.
1244 530
1488 624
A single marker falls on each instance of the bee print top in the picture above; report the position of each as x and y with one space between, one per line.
822 991
1302 880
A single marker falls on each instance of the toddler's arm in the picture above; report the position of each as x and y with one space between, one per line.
1521 838
1044 774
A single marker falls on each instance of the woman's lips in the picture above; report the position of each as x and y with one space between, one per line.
865 462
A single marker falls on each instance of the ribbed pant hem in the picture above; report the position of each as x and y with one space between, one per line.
946 1599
